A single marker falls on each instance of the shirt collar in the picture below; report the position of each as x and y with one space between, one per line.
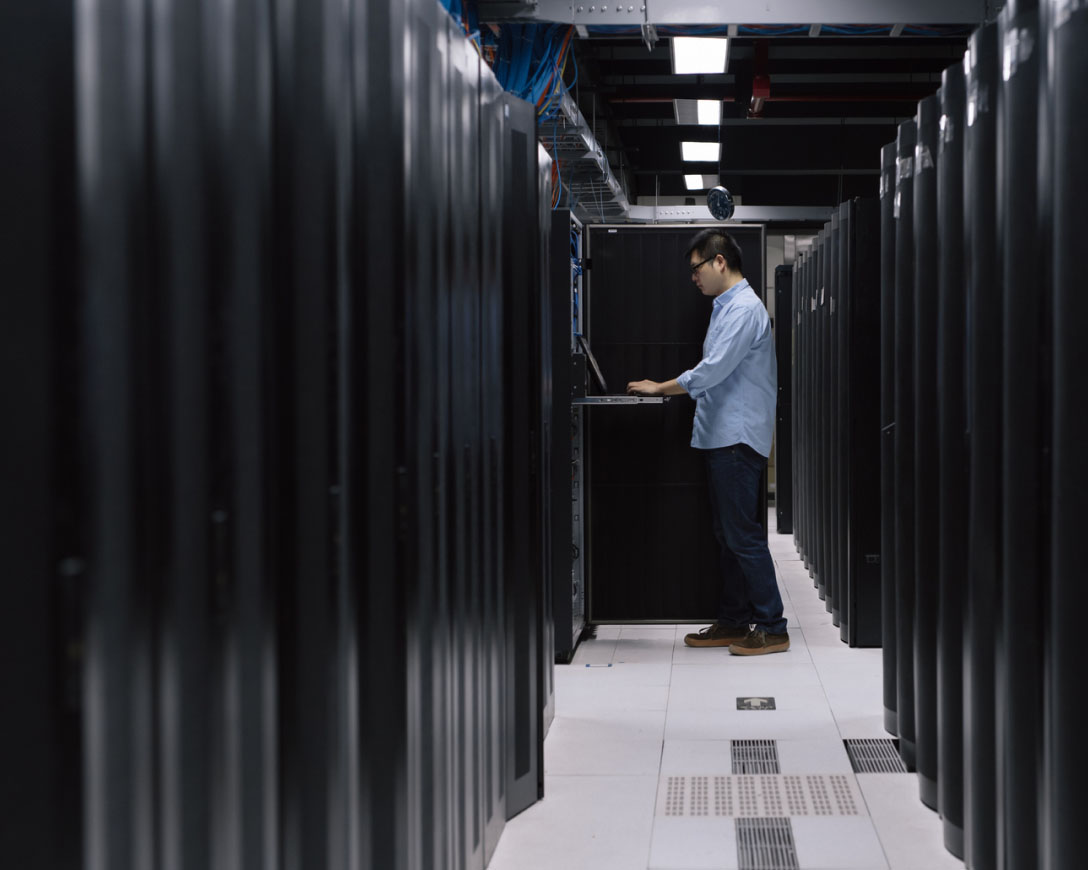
729 294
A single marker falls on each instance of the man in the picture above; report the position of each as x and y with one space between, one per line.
735 388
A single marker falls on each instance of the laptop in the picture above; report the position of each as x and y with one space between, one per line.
606 398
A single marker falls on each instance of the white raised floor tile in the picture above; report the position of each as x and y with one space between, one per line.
583 823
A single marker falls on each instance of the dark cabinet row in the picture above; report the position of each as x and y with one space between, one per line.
982 421
828 432
277 475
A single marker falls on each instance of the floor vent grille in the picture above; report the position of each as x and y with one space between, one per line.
875 756
759 796
755 756
766 844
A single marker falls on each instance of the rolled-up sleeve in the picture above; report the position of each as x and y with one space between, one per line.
725 348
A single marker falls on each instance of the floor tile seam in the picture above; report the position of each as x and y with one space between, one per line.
872 821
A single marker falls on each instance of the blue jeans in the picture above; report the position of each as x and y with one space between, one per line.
749 588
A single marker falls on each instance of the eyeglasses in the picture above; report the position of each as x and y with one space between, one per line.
698 266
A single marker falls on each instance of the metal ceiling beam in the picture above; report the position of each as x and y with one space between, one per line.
799 121
700 213
730 170
691 12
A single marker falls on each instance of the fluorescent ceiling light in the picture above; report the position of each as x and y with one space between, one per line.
699 54
700 152
697 111
710 111
700 182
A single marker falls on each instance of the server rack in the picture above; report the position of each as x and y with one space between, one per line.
861 516
953 457
984 426
658 338
1026 410
564 256
904 440
835 333
1062 149
784 443
926 453
888 212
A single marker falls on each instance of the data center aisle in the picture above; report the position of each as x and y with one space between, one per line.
640 760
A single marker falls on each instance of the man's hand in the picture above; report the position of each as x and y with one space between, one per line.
644 388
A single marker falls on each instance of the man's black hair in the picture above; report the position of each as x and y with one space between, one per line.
711 242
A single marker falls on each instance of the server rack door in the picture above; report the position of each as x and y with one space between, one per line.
318 615
865 588
645 318
800 302
258 461
904 439
429 830
542 361
926 525
813 268
845 422
834 430
491 246
41 628
569 618
521 392
121 547
888 176
798 388
984 424
1026 408
841 323
814 409
827 415
953 459
1066 836
783 472
186 628
819 411
463 495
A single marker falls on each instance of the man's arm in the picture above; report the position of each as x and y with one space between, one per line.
653 388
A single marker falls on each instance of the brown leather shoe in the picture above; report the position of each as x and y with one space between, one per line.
758 643
717 635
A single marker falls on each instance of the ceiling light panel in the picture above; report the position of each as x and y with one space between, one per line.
710 111
700 152
697 111
700 182
699 54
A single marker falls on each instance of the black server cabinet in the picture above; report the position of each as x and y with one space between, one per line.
904 438
926 522
984 318
784 444
645 318
492 239
837 348
888 175
524 562
822 513
833 431
1065 837
860 585
42 549
569 598
1026 525
841 423
953 459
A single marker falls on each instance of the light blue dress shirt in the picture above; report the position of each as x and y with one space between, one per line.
735 386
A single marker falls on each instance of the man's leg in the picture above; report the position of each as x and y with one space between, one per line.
734 613
734 608
735 474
